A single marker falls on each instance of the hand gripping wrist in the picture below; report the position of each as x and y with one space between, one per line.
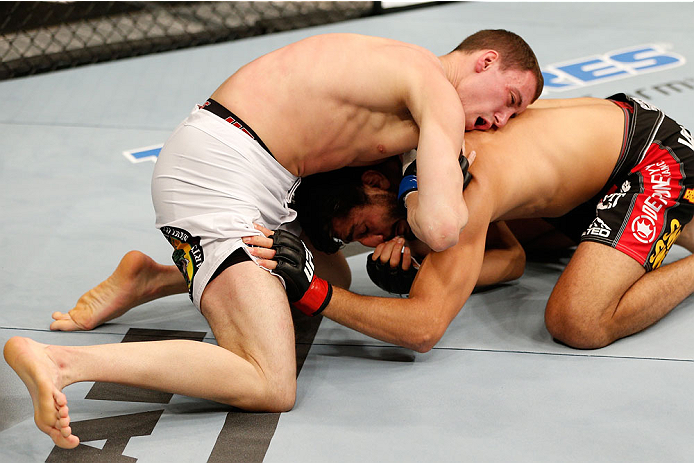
305 290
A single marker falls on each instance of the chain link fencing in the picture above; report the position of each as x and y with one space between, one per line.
45 36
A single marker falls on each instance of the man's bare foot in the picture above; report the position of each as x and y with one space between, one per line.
136 280
32 362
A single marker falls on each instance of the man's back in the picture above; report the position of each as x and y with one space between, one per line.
560 158
318 110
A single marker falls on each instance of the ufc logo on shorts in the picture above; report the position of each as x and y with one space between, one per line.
309 267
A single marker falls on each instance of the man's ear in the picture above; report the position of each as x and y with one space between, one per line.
485 60
375 179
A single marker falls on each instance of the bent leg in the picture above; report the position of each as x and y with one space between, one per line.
253 367
686 237
136 280
604 295
249 314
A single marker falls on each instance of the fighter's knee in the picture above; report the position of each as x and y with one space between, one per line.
571 327
268 397
281 397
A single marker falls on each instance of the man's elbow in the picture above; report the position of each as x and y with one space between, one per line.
425 337
517 264
442 242
443 234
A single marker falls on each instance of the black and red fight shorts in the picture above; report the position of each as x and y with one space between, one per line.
650 194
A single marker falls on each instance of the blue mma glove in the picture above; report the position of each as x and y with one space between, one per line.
408 183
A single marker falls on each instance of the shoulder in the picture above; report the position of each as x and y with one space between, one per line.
393 52
416 58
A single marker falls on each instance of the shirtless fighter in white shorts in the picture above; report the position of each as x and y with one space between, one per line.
317 105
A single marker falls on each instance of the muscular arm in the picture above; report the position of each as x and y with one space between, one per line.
443 284
437 213
504 256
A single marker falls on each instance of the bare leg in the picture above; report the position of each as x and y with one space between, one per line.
604 295
136 280
686 238
252 368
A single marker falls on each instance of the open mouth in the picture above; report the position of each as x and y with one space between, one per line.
480 123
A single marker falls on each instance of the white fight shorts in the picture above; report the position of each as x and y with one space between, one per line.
211 182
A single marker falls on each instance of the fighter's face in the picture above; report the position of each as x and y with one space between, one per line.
376 222
496 96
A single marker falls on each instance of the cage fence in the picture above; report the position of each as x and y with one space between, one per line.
44 36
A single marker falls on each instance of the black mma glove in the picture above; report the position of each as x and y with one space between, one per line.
409 178
464 166
305 291
394 280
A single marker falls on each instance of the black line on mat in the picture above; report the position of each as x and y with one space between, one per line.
245 437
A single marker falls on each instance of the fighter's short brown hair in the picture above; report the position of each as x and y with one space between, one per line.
515 52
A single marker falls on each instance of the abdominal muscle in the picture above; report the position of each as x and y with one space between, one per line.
321 134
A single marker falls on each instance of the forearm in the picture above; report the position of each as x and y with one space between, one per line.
501 265
395 320
442 286
437 212
437 223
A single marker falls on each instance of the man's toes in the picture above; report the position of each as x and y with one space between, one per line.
66 442
60 399
63 422
62 325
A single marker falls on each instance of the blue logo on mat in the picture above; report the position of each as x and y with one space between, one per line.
148 153
613 65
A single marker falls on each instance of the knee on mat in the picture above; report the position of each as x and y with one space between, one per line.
570 326
267 398
281 398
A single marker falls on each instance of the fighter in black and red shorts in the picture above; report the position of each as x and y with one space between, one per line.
650 194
